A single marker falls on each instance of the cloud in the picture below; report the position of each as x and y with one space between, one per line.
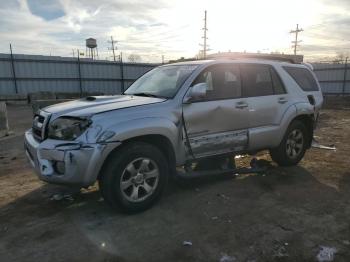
153 28
337 3
331 35
49 10
35 27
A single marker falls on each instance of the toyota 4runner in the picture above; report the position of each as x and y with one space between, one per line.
175 115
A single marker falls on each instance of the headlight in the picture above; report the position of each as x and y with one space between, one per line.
67 128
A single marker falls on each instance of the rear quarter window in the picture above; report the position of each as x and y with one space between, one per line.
303 78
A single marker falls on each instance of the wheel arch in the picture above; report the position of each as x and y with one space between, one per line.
298 112
160 141
308 121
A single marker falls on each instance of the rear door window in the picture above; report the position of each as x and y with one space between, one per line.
278 86
256 80
303 78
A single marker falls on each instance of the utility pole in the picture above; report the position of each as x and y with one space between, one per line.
79 74
13 69
296 42
122 72
113 48
345 73
205 29
162 59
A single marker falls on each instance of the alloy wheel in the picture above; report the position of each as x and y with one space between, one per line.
139 179
294 143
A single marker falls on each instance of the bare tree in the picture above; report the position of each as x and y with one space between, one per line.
341 56
134 58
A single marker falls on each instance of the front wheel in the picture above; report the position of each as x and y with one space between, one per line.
134 177
293 146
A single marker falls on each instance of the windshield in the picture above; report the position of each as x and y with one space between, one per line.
162 81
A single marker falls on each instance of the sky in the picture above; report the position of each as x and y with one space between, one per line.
152 29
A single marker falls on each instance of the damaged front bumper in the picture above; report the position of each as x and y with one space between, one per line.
66 162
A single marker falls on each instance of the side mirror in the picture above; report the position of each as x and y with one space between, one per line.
196 92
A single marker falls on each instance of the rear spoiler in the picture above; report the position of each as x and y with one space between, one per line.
308 65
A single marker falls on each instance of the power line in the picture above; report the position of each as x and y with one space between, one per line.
169 38
296 42
163 36
162 33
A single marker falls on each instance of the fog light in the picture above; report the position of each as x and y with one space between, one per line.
59 167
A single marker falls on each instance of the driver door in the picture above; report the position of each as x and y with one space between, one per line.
218 123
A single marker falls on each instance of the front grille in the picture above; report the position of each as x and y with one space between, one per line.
40 125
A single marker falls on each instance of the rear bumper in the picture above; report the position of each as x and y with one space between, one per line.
82 162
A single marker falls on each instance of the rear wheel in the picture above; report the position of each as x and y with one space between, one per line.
293 146
134 177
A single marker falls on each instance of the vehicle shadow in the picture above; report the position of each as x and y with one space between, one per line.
284 215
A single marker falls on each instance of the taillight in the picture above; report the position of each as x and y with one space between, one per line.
311 99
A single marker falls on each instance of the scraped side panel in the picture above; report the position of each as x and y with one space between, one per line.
219 143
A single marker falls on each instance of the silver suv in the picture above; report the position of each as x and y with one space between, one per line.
175 115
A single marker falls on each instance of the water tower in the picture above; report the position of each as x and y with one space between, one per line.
91 48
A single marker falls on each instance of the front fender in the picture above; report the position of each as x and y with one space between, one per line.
150 126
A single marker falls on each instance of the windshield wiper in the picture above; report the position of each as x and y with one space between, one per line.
147 94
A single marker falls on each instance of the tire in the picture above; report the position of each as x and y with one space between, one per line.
134 177
293 145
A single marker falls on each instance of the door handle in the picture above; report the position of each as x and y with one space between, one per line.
282 100
241 105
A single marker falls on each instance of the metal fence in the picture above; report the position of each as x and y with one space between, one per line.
23 74
333 78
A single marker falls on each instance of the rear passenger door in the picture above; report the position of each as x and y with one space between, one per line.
266 96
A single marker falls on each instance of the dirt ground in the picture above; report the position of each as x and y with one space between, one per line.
287 214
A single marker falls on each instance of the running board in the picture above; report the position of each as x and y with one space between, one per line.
216 172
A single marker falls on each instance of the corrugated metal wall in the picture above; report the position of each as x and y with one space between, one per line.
61 74
36 73
333 78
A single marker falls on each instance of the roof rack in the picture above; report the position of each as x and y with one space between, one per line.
294 59
274 58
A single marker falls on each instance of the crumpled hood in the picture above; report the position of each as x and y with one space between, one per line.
98 104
